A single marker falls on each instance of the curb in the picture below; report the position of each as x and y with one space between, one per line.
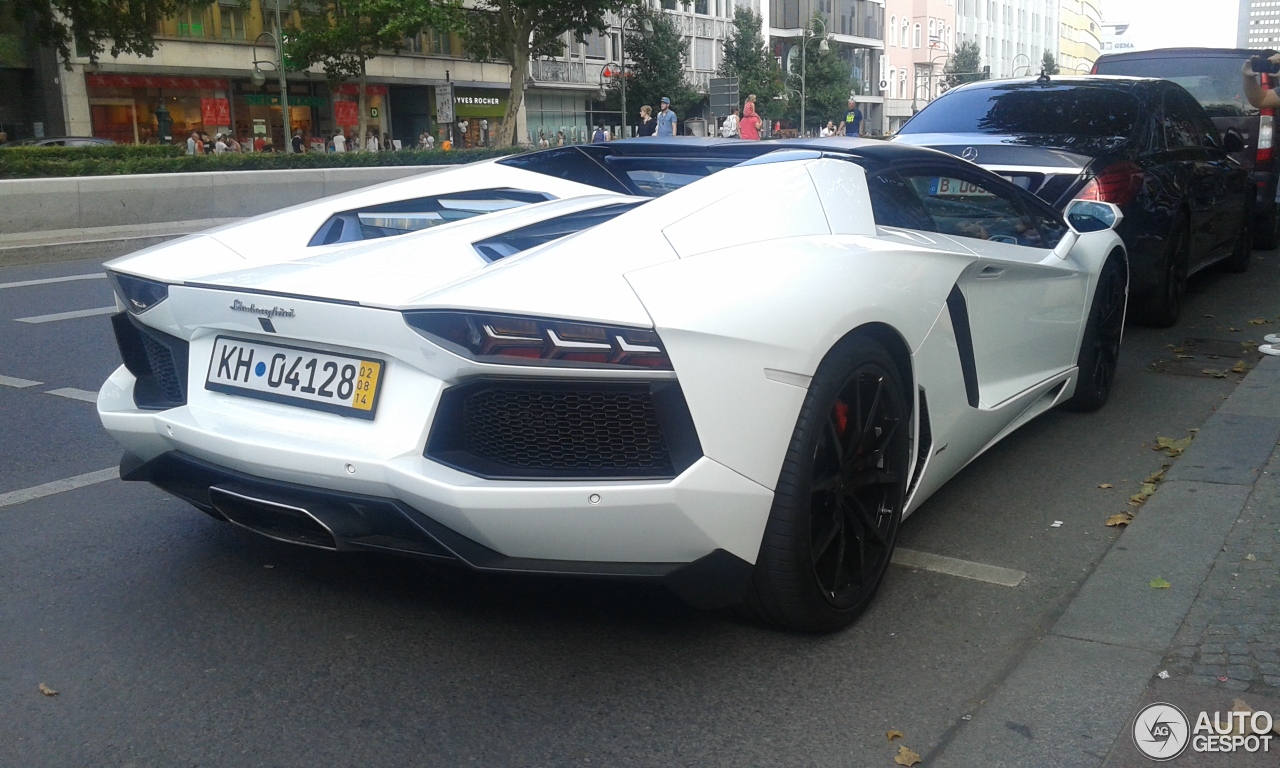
1068 698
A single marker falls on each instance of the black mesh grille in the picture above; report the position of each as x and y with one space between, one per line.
163 369
562 429
572 429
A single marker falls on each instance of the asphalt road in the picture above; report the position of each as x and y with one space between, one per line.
176 640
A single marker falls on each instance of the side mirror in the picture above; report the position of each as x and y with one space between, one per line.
1092 216
1232 141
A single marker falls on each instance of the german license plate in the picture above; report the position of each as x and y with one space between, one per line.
296 376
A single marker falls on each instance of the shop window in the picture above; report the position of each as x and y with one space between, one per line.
233 20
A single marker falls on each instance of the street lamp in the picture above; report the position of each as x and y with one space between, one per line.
258 77
645 27
1015 63
805 37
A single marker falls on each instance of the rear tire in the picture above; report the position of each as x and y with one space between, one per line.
1266 236
1239 259
1100 343
840 495
1164 306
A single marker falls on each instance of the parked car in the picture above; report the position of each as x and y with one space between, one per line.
61 141
737 383
1141 143
1212 76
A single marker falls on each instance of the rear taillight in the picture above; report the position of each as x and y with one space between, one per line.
1266 128
1118 183
1094 71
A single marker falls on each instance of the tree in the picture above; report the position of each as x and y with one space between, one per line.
517 30
128 26
747 57
1049 64
828 84
964 66
351 32
656 68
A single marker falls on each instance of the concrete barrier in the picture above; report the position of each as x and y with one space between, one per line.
89 202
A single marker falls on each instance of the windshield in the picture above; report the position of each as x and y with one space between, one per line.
1028 108
1213 80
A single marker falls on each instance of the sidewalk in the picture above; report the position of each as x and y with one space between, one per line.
94 242
1212 530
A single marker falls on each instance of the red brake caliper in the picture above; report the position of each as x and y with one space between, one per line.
842 418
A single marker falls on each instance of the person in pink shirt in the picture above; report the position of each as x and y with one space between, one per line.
749 125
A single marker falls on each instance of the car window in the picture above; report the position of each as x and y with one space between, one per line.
1028 108
1214 81
895 204
965 206
1181 130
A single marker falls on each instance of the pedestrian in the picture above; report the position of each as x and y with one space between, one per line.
599 137
339 142
193 144
648 126
1253 91
853 120
4 137
559 138
371 144
666 118
268 144
542 140
233 146
751 123
463 126
387 145
431 141
297 142
729 129
828 130
219 145
206 143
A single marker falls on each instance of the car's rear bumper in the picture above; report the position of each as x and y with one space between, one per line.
344 521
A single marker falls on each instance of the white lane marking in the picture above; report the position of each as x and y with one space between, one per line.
75 394
111 310
965 569
17 383
57 486
47 280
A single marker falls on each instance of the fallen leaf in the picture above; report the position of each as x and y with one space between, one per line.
1214 373
1186 357
1154 477
46 690
1259 321
1144 494
1251 557
891 735
1118 519
1159 583
1238 367
1194 429
1170 446
1233 330
1177 350
1105 485
906 757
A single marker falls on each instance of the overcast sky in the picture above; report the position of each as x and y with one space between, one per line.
1173 23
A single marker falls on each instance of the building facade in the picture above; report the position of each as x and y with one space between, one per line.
919 38
203 74
1259 25
30 96
1080 41
1012 35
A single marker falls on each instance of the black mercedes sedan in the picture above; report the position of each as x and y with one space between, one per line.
1141 143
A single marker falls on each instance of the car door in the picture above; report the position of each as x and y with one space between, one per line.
1205 186
1025 304
1231 182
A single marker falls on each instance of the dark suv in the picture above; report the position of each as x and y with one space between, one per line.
1141 143
1212 75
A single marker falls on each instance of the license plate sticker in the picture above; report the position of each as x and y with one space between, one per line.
307 378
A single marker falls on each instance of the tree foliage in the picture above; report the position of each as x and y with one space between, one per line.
516 30
95 26
964 66
747 57
656 68
828 82
349 33
1049 64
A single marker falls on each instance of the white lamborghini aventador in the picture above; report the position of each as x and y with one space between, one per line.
732 367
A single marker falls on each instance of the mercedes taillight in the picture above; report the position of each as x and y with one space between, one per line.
1117 183
1266 130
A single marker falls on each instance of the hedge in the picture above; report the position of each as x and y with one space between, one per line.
42 162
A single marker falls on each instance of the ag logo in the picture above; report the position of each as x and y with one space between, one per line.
1160 731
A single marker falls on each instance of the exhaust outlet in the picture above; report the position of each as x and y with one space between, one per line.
282 522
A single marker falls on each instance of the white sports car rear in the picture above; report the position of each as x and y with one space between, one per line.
738 388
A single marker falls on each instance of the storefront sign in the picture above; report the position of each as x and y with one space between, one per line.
215 112
471 102
351 89
346 113
99 80
373 112
267 100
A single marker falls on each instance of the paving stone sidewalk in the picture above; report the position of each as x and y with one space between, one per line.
1230 638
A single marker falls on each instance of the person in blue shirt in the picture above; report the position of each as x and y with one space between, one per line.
666 118
853 120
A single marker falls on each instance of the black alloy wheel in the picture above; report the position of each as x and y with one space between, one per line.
840 496
1165 305
1100 343
1242 254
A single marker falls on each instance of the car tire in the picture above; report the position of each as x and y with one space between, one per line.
825 551
1242 254
1100 343
1267 235
1164 306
